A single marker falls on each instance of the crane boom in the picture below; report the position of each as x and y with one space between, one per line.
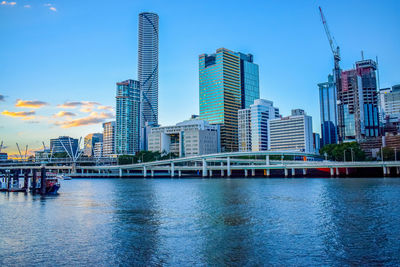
328 33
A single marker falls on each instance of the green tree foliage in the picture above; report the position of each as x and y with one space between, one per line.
341 152
388 153
144 156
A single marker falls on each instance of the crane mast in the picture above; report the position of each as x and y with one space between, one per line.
337 74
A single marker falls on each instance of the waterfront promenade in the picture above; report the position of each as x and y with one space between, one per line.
245 164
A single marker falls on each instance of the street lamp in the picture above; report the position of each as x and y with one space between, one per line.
344 155
352 156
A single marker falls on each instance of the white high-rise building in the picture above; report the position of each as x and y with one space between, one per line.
244 129
253 125
108 138
292 133
389 102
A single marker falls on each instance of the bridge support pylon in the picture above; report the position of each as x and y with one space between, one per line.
347 171
245 172
172 169
144 171
286 172
179 173
332 172
204 172
152 173
253 172
304 172
384 171
293 172
337 172
228 167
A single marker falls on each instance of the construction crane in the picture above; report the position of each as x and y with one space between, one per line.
336 73
332 42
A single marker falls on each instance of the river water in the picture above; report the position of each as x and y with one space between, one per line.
185 222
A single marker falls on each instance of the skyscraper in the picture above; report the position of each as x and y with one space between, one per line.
358 102
327 102
220 94
148 70
249 80
127 127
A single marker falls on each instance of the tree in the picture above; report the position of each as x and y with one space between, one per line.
343 152
388 153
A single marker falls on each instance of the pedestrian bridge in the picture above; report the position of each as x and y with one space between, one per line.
222 165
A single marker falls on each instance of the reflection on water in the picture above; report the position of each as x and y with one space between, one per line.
206 222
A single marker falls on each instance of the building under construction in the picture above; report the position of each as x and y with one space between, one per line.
356 98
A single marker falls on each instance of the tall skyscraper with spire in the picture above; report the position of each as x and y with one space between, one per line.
148 72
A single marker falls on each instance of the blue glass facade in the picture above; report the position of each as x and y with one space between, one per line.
220 94
327 100
249 78
127 126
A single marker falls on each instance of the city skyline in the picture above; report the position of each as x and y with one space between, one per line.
39 106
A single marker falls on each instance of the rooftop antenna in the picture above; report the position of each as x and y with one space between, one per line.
362 55
1 146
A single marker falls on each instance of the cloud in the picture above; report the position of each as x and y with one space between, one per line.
86 109
48 4
2 98
53 9
64 114
25 115
27 6
30 103
5 3
76 104
93 118
109 108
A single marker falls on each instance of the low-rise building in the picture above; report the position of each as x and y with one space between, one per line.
89 142
188 138
3 156
98 150
63 144
292 133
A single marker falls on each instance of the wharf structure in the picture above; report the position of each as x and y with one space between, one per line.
221 165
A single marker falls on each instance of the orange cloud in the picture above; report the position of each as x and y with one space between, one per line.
30 103
5 3
25 115
93 118
53 9
64 114
76 104
109 108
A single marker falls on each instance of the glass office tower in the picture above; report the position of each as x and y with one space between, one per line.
249 80
220 94
327 101
127 117
148 70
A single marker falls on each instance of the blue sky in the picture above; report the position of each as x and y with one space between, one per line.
75 51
